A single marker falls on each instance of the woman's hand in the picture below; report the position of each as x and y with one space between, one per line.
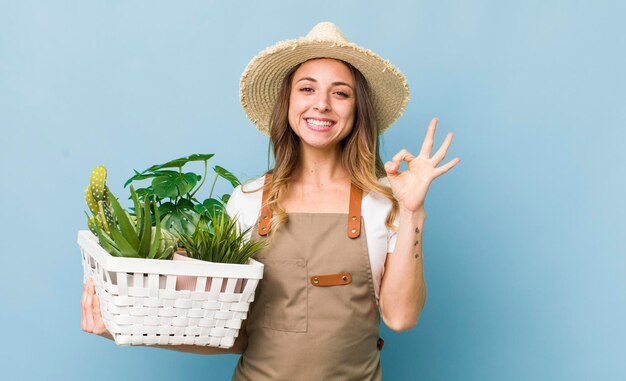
410 187
91 319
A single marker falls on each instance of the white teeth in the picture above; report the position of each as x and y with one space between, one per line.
319 122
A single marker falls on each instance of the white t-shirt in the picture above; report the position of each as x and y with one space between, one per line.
374 209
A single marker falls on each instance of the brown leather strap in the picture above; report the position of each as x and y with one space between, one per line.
354 210
266 212
354 213
331 280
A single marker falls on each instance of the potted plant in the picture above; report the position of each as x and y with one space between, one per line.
215 241
176 191
126 253
121 234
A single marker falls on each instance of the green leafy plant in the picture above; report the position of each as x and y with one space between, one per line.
122 234
174 192
219 241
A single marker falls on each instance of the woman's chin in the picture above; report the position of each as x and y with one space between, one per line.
319 144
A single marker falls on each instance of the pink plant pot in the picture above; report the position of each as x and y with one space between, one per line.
184 282
189 282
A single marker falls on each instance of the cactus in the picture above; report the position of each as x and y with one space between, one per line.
91 202
91 222
97 197
103 221
97 181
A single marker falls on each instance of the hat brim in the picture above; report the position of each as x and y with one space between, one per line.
260 82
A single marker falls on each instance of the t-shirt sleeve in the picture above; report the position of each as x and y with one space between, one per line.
234 208
245 206
392 236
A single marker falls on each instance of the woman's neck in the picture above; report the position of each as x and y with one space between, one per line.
320 166
320 184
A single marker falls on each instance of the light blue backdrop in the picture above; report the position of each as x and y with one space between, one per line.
524 241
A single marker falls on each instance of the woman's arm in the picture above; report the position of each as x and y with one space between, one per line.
402 289
91 321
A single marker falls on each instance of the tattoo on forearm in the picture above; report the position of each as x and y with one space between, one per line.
417 253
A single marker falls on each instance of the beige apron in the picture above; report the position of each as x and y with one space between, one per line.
315 315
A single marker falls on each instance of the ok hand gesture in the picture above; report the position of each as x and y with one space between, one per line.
410 187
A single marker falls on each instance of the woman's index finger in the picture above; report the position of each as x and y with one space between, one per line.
427 146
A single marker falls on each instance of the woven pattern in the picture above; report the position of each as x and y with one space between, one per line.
146 308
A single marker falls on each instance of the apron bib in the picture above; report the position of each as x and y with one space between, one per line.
315 315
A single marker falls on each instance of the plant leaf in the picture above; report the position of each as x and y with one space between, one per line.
225 199
200 156
191 178
178 163
173 185
146 230
106 242
157 234
179 217
126 226
143 192
212 207
200 209
125 248
137 176
136 210
225 174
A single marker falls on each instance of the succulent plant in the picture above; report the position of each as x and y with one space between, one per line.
120 233
136 237
97 182
97 197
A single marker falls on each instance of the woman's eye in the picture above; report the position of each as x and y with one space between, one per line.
306 89
342 94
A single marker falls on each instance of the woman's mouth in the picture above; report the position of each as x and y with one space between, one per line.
319 124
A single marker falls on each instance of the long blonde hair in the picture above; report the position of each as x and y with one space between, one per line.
360 149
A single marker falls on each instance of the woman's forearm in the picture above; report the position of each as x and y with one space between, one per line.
403 289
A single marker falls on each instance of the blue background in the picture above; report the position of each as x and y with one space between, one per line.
524 243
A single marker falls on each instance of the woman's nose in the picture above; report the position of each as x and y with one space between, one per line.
322 104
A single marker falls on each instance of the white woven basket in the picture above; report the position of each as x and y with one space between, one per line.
141 305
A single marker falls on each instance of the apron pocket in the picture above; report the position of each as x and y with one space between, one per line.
285 288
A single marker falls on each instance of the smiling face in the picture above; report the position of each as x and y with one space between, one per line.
322 103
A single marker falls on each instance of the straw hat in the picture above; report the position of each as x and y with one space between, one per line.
260 82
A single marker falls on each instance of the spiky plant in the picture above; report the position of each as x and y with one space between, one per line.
136 237
219 241
121 234
97 197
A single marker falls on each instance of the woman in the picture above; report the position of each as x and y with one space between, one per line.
335 217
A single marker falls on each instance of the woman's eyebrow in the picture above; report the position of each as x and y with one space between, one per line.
338 83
